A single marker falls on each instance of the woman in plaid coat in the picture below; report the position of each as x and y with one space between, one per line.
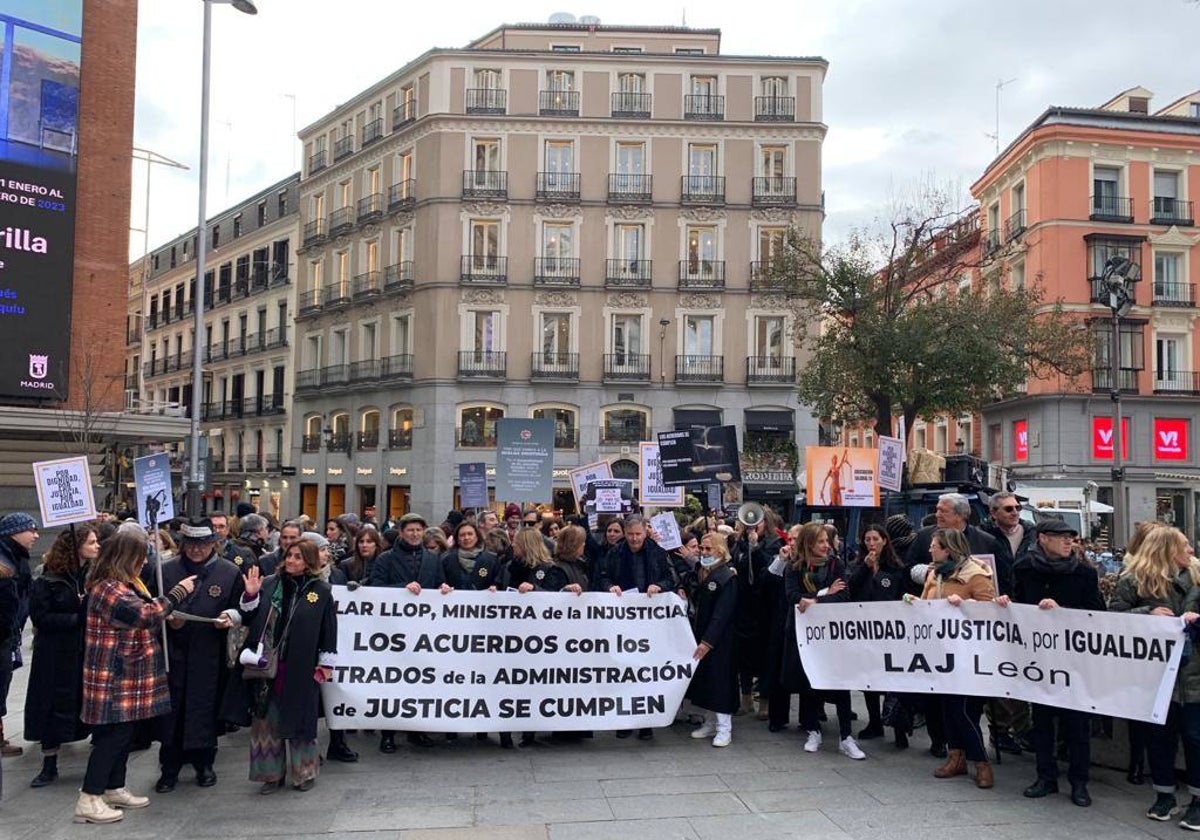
124 678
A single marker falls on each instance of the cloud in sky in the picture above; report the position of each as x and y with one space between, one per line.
910 92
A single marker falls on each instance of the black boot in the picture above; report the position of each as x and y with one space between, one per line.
387 742
420 739
1136 776
166 782
901 739
506 740
338 749
874 729
49 771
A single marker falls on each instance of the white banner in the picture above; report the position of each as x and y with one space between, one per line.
1114 664
507 662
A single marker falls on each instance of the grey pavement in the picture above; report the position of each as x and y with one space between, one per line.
762 787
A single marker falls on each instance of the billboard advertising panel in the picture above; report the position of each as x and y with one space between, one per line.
39 147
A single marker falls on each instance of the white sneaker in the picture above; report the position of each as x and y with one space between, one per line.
849 748
813 742
723 738
705 730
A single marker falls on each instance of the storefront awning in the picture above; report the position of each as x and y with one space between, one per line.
696 418
770 420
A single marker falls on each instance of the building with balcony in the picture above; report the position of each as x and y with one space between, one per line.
1077 187
249 306
572 218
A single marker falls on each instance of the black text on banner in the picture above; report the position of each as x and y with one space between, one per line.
1115 664
507 662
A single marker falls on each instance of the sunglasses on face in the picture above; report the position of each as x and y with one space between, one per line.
1009 508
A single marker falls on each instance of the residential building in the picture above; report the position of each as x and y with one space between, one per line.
1077 187
568 221
249 301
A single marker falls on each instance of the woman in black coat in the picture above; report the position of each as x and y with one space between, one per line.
878 575
469 565
814 576
714 685
58 609
295 606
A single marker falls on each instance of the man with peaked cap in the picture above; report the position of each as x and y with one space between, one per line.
196 653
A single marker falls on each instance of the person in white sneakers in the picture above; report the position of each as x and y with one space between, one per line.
714 686
124 673
815 575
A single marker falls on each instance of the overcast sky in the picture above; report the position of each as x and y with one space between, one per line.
910 93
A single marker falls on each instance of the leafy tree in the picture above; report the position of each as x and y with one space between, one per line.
894 329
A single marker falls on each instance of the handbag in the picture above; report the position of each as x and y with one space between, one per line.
267 665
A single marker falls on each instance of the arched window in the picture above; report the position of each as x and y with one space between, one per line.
400 433
368 435
566 424
624 425
312 434
477 425
340 424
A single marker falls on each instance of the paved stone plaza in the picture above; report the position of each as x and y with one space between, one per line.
763 786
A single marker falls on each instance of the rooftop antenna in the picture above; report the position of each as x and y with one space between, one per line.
1000 85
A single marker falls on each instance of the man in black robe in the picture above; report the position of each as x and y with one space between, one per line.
196 654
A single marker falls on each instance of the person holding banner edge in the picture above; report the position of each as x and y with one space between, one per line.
636 563
1049 575
956 576
1162 578
815 575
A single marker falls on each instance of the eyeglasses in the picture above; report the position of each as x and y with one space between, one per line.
1009 508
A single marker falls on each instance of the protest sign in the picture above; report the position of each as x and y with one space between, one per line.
891 462
1105 663
152 480
524 460
64 488
667 529
580 476
709 454
842 477
472 485
507 662
610 495
653 492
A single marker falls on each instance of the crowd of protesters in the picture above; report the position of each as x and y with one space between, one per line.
247 625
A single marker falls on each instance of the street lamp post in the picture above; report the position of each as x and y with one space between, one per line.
1118 271
193 484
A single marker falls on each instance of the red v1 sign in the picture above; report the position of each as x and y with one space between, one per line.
1020 440
1170 439
1102 438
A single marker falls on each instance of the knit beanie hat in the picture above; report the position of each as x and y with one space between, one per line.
314 537
512 509
900 531
15 523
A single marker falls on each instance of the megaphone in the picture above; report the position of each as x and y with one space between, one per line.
750 514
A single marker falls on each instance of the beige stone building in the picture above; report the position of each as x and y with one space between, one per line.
558 220
249 301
